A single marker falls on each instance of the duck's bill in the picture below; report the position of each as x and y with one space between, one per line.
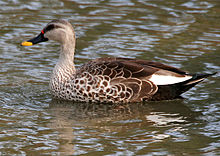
26 43
35 40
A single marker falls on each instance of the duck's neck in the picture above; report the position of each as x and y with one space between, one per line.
66 57
65 67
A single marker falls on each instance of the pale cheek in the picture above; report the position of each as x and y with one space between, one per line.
56 36
60 37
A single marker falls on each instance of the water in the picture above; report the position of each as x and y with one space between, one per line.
184 34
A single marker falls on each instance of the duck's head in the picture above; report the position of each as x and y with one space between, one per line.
57 30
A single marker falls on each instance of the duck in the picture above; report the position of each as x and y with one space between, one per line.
110 79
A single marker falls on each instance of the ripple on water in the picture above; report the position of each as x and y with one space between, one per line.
183 34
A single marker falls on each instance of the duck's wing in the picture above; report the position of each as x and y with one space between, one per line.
141 76
158 73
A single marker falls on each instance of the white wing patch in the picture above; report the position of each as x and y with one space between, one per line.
167 79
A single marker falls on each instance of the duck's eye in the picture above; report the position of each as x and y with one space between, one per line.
49 27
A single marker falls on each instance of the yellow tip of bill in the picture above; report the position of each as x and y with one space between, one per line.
25 43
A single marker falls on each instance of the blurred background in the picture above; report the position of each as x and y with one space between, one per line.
183 34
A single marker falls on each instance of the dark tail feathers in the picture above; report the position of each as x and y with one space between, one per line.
196 78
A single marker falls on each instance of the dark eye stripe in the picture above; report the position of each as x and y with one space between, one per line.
50 27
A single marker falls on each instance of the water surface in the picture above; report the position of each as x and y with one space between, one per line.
184 34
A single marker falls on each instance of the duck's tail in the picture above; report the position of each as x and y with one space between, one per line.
167 92
196 78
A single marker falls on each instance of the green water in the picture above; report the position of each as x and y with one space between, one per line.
184 34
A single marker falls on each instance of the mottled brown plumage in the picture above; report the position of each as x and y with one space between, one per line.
129 78
114 80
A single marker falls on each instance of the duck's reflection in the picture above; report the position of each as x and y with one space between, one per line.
112 117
